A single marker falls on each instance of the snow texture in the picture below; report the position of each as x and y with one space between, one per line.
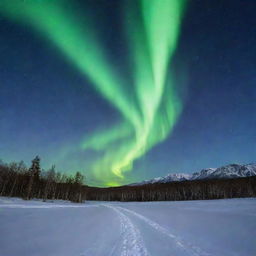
186 228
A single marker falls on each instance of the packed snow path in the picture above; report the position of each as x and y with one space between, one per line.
132 242
188 228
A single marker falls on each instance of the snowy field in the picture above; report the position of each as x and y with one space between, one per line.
191 228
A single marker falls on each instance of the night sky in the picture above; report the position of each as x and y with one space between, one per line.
128 90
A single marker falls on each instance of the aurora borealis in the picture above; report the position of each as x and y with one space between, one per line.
148 117
151 116
146 98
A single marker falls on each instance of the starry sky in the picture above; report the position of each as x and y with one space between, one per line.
128 90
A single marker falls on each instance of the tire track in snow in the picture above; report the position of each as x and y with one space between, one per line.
132 242
185 246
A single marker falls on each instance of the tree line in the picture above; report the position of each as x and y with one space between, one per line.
16 180
176 191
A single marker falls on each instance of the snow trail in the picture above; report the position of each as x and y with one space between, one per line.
132 242
185 246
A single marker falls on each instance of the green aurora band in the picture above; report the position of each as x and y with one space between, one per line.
150 112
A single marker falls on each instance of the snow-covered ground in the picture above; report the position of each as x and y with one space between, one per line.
191 228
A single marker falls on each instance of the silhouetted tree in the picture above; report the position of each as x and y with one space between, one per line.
49 182
78 182
18 169
34 174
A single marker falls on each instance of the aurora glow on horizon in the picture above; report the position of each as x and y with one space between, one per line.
151 110
127 90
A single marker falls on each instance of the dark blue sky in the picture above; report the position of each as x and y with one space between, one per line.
46 105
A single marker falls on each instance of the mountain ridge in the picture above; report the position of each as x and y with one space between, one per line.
224 172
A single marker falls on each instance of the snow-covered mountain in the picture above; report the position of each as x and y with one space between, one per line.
168 178
224 172
203 174
234 171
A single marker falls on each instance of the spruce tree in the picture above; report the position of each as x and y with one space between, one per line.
34 174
